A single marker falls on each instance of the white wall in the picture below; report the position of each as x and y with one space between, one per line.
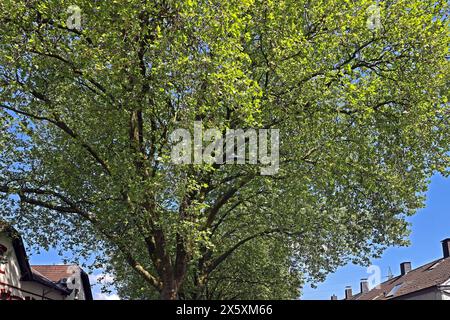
78 284
445 291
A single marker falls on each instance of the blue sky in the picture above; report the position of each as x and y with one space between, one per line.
429 226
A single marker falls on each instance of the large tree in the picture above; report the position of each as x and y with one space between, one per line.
86 112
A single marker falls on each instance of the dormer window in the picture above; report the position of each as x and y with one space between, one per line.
394 290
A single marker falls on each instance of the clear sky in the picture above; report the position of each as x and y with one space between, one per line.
429 226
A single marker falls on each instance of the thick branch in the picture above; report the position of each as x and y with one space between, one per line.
224 199
229 252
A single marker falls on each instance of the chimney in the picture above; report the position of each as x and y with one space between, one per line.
334 297
364 286
348 293
446 247
405 267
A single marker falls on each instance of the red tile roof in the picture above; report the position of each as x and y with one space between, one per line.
53 272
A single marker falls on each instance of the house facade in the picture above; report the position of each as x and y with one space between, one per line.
21 281
428 282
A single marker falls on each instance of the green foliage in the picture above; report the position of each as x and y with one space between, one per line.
85 117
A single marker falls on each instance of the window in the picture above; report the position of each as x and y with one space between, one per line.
434 265
394 290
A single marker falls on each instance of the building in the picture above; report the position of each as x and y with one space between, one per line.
20 281
428 282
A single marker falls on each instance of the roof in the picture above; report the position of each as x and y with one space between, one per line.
53 272
60 273
49 283
427 276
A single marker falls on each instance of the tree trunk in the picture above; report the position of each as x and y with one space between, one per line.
169 291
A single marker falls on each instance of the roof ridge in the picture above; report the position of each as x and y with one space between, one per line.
412 270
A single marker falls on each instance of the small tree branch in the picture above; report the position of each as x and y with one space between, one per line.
64 127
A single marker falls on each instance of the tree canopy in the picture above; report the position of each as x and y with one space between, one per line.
86 113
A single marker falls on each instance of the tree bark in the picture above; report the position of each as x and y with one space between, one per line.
169 291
